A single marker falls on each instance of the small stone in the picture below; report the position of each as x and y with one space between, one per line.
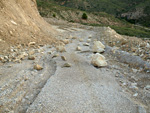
86 44
66 41
1 58
81 40
134 70
55 55
135 95
116 75
88 40
66 65
38 67
60 48
31 57
78 48
6 57
33 52
31 43
98 60
74 37
147 87
63 58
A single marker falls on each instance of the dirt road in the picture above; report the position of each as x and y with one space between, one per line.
80 88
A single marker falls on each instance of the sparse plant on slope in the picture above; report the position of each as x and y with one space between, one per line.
84 16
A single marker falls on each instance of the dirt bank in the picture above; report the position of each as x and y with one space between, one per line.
20 23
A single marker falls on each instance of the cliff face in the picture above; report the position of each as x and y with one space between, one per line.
20 23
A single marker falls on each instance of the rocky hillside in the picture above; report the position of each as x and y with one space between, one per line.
135 11
20 23
51 9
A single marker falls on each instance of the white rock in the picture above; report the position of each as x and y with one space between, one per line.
88 40
13 22
147 87
32 43
98 60
86 44
81 40
78 48
98 47
135 95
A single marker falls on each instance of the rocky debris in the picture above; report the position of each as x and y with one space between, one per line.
98 47
60 48
81 40
67 65
147 87
74 37
90 36
55 55
133 86
63 58
38 67
22 55
31 57
78 48
31 43
66 41
86 44
98 60
88 40
135 95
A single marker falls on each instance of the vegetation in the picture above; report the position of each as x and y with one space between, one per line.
115 7
84 16
51 9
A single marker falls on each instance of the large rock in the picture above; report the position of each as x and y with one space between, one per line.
98 60
98 47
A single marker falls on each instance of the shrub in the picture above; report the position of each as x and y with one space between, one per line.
84 16
54 15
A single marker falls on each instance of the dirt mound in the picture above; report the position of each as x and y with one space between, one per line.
20 23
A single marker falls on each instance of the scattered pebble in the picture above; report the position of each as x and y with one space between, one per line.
67 65
31 57
38 67
78 48
63 58
86 44
135 95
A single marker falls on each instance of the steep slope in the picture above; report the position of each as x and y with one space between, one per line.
20 23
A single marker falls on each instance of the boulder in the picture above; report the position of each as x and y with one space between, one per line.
98 47
98 60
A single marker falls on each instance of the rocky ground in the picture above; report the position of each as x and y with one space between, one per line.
65 77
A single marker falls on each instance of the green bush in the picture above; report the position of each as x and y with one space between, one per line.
54 15
84 16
